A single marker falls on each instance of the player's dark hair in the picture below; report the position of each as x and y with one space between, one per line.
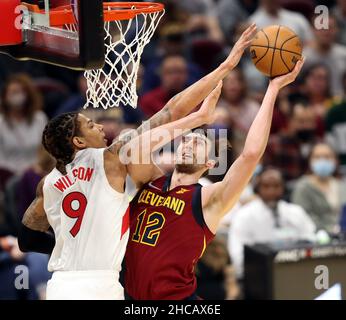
57 138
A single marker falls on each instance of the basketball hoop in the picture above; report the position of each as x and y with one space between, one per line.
128 27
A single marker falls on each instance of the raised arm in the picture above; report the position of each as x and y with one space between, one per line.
138 152
181 104
220 197
186 101
33 235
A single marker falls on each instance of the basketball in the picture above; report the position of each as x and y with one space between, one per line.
275 50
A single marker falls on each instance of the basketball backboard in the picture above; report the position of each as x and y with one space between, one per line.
106 39
28 32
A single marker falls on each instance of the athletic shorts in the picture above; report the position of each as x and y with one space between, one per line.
85 285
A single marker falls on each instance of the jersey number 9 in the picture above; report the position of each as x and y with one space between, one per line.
74 205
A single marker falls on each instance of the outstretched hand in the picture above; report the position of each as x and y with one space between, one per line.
207 109
243 42
288 78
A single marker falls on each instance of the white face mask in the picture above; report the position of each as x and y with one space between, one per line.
17 100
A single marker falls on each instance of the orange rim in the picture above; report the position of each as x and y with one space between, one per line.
119 11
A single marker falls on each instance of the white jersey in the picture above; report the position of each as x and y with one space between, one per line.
89 218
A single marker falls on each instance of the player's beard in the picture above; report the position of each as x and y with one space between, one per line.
188 168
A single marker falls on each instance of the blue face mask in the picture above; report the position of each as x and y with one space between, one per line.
323 167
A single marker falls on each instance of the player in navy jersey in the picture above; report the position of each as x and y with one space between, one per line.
173 218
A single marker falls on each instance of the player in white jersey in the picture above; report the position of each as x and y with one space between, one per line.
84 202
83 198
90 224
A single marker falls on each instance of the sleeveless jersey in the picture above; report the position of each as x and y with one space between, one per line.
168 235
89 218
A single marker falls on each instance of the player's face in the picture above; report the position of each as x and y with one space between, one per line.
192 153
270 186
92 134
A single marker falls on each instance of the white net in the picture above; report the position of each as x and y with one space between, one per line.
115 83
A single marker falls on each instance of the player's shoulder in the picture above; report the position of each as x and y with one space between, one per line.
52 174
48 181
89 155
51 177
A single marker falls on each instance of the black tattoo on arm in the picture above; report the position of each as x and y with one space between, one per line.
158 119
162 117
35 217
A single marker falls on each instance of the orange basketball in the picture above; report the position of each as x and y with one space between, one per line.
275 50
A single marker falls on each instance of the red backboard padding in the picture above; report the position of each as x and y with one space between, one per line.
9 33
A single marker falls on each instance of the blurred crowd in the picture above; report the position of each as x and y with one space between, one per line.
297 192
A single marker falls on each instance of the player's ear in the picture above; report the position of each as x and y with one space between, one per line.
79 142
211 164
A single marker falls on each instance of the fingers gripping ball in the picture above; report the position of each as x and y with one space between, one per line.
275 50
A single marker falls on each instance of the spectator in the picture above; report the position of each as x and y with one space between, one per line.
204 27
325 50
315 93
26 188
196 16
172 42
289 150
271 12
320 193
336 129
173 80
339 11
231 13
21 124
267 219
316 88
281 112
10 258
305 7
236 109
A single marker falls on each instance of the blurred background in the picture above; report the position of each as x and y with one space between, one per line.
270 244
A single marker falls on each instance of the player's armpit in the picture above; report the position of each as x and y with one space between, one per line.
35 217
141 174
219 198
